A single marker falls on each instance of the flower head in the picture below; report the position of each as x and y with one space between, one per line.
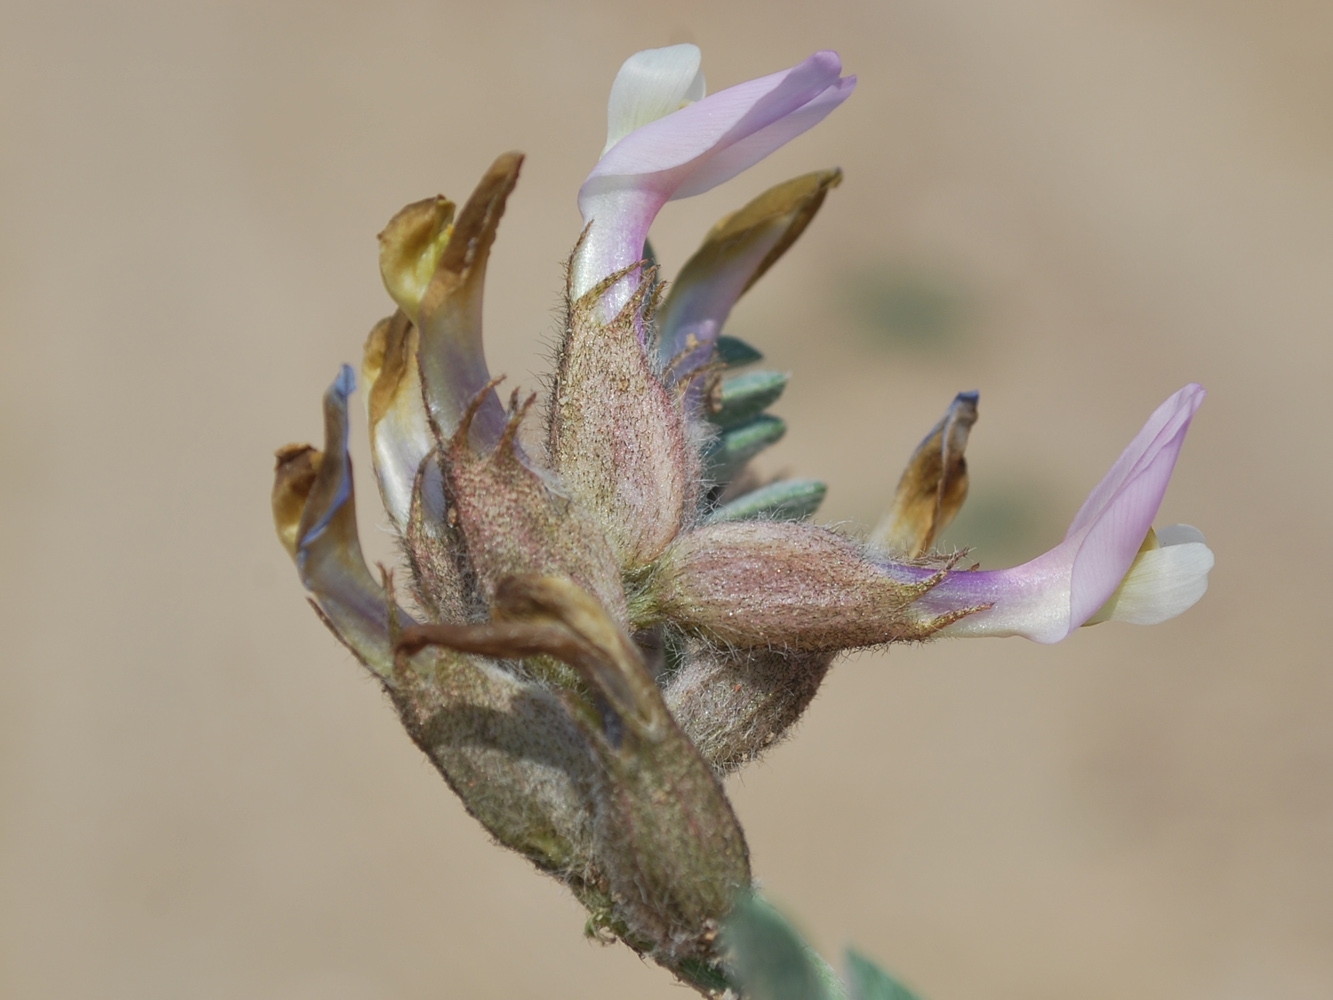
611 615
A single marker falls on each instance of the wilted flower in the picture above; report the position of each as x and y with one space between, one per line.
609 618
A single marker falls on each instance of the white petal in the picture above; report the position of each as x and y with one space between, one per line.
1163 582
400 434
652 84
401 439
1178 534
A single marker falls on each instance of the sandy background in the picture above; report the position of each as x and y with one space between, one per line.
1076 208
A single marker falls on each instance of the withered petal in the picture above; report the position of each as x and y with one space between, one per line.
451 354
324 541
400 433
410 249
735 254
933 486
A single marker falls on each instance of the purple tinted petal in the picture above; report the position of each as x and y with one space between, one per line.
650 85
1111 525
733 255
618 226
718 120
747 151
453 366
1031 600
689 152
1169 421
452 356
698 309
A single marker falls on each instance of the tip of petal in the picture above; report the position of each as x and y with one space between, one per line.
827 59
345 382
1110 527
410 249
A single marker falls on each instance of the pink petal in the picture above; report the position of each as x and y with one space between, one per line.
1114 520
668 148
692 150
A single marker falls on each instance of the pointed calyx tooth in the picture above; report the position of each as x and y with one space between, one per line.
410 249
443 579
510 521
933 486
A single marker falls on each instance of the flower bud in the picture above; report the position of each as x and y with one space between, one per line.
618 436
736 703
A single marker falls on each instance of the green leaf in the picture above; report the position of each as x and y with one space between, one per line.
699 973
868 981
736 353
769 960
785 500
733 448
744 397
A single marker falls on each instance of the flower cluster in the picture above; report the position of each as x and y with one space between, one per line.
611 614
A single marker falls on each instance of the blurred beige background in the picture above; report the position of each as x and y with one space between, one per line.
1075 208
